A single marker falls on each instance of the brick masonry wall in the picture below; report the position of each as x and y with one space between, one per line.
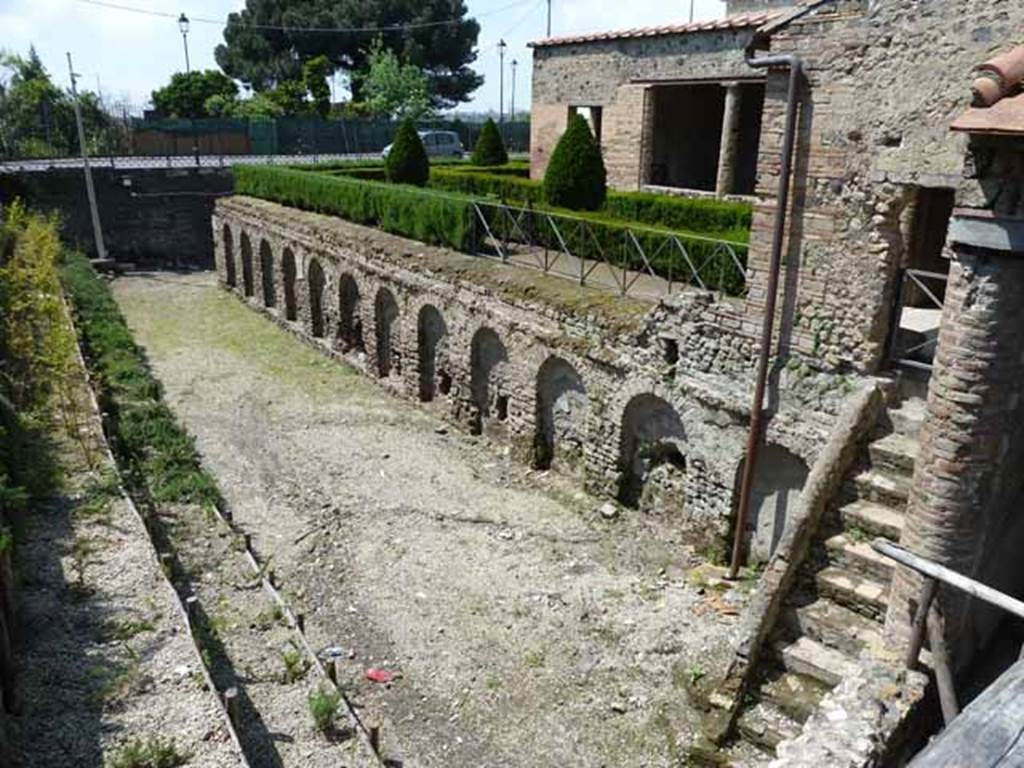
147 215
706 390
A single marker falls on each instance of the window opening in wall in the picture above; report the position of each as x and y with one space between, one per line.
593 116
705 136
921 287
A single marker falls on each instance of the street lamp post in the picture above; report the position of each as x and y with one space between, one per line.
501 81
183 26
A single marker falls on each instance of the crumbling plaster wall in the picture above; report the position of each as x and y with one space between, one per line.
707 386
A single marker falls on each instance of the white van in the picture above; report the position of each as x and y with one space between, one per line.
437 144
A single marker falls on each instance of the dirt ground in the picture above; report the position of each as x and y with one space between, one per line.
527 629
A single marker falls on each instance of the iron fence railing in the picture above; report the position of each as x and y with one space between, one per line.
920 296
634 259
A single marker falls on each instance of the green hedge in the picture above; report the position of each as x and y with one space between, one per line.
408 211
160 456
449 219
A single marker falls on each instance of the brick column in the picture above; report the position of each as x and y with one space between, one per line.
968 474
729 148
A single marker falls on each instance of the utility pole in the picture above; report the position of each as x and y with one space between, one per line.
691 11
512 109
90 191
501 82
549 18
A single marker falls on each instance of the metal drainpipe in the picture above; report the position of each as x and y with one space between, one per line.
795 65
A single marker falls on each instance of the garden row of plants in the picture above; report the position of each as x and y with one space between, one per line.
591 222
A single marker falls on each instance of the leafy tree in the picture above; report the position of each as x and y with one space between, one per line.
314 76
576 177
37 118
489 149
187 93
394 89
256 53
407 161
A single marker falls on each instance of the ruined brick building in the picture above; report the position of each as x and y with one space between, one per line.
893 404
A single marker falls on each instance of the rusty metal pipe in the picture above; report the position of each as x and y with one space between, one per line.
795 66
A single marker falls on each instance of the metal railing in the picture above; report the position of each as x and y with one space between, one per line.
915 347
634 259
928 620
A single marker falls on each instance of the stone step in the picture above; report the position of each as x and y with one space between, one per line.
805 656
797 696
766 726
908 418
874 519
883 488
863 594
833 625
895 453
859 557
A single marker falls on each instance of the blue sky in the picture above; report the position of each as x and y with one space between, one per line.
128 54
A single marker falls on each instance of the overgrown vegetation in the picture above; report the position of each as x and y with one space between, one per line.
37 358
490 148
407 162
150 752
323 707
576 177
159 456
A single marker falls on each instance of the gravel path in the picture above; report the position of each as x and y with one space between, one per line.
103 653
527 629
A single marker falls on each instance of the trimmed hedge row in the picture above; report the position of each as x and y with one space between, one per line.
415 213
450 220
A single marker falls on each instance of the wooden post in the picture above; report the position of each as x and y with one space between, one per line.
918 628
231 704
247 537
943 673
375 739
192 608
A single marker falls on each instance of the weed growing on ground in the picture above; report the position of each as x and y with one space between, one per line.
534 658
151 752
129 628
323 707
696 673
295 664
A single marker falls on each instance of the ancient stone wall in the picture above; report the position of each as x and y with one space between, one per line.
649 405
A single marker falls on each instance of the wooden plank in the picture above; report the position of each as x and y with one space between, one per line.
988 734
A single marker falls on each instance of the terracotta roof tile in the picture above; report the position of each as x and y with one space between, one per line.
739 21
998 104
1004 118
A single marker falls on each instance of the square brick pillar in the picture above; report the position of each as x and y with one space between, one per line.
970 471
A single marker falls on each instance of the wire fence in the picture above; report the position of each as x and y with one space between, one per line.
229 138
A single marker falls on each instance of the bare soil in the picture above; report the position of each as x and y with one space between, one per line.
102 649
527 629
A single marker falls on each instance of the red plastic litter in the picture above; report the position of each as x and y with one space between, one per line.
380 675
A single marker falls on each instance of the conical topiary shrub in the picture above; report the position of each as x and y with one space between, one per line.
576 177
407 161
489 149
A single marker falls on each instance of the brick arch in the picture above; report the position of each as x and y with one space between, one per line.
652 440
267 274
487 356
229 256
316 281
431 335
289 272
385 321
247 268
562 408
350 323
778 484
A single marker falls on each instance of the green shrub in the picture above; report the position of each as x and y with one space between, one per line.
151 752
407 162
419 214
576 176
489 149
323 707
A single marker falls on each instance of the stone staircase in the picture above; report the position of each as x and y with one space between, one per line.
834 615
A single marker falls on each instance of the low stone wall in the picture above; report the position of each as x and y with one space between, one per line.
648 404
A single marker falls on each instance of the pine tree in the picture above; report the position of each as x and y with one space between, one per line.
407 161
489 149
576 177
